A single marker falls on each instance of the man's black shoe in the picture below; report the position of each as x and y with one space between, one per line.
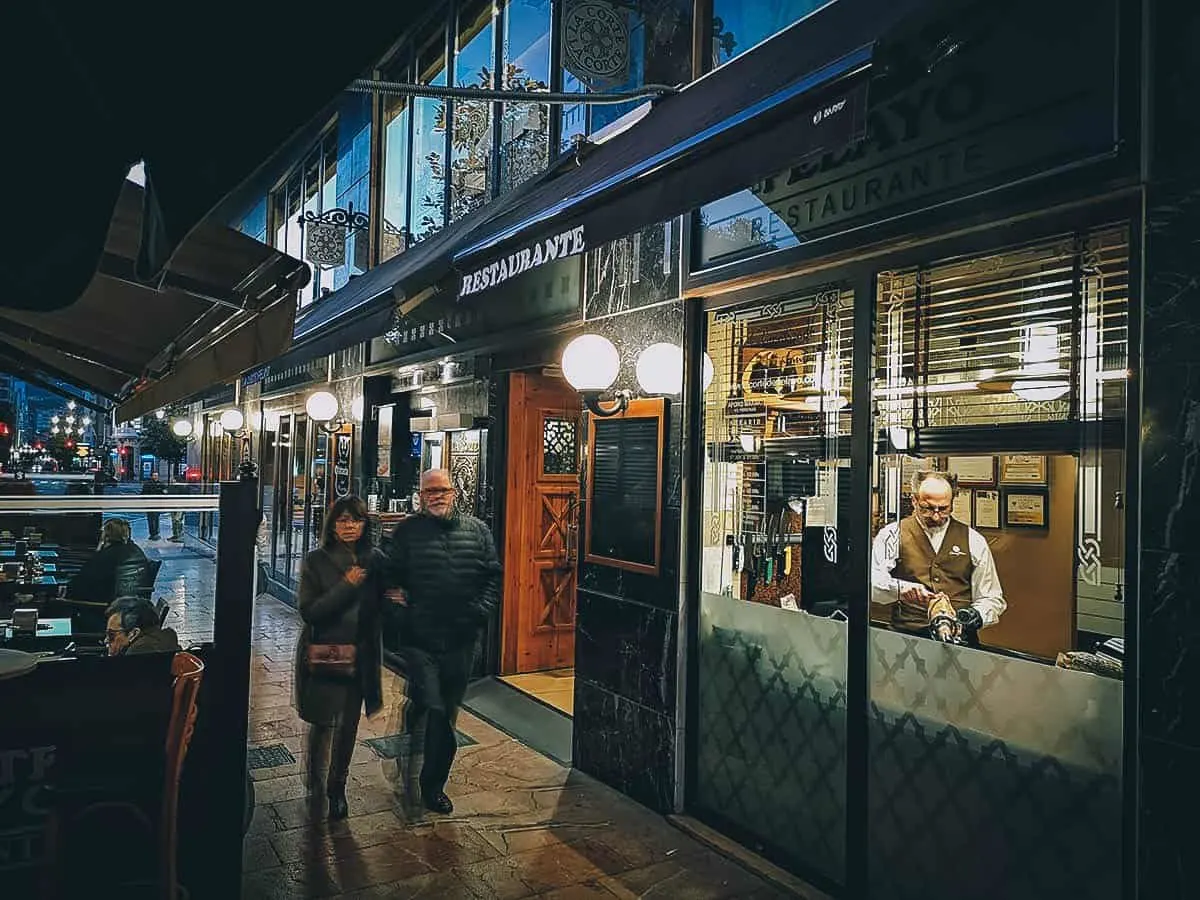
338 807
439 803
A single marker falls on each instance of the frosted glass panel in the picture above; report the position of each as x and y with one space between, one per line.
772 728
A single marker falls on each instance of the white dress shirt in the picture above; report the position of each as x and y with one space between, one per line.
986 594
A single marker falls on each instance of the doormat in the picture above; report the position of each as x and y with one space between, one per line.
269 757
389 746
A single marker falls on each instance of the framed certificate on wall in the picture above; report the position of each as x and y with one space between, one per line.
1025 509
1023 470
962 507
973 471
987 509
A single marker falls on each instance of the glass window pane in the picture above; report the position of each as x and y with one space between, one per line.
299 491
396 122
525 128
740 24
996 652
775 579
428 212
328 200
609 47
474 66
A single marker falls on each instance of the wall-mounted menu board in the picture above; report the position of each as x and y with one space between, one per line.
624 490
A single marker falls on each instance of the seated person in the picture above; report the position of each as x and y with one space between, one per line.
117 558
133 627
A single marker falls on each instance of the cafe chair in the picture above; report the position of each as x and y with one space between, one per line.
187 670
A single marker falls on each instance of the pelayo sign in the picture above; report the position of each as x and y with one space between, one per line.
562 246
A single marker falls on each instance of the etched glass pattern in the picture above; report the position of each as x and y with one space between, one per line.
560 446
771 754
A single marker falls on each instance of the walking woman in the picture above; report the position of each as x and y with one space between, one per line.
338 657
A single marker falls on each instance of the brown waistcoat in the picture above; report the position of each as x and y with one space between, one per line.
946 571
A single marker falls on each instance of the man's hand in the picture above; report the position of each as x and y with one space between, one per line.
970 619
916 593
397 596
356 575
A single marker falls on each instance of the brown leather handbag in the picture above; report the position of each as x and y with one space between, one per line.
332 660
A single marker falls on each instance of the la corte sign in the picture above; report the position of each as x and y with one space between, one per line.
569 243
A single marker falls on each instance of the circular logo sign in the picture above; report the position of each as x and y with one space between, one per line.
595 41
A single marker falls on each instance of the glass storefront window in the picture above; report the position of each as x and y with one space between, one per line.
427 212
311 188
997 607
739 25
613 47
471 141
775 583
525 127
396 135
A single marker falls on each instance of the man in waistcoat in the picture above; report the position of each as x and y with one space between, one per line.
931 553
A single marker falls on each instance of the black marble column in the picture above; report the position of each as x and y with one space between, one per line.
627 623
1169 589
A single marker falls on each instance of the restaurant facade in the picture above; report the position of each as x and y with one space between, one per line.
969 258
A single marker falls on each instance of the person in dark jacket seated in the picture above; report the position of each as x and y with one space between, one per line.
115 570
133 628
444 578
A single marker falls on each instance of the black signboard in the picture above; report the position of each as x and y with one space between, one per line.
625 492
343 447
550 293
1004 96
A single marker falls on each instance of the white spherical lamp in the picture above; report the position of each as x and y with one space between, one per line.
590 363
321 406
660 369
232 420
182 428
356 408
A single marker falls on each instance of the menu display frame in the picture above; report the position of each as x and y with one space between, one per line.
1023 469
1026 508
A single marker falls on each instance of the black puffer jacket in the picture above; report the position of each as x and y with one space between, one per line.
449 570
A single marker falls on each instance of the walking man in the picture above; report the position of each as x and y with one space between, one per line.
445 582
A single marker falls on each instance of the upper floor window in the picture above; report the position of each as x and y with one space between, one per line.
609 46
471 129
310 188
525 66
397 138
427 212
739 25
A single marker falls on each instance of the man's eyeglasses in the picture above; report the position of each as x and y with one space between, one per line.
930 508
436 492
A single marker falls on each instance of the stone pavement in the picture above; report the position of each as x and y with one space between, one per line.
523 826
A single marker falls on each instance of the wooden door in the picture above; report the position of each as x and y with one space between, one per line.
541 524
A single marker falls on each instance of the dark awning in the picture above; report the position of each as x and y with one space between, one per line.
225 303
801 92
101 89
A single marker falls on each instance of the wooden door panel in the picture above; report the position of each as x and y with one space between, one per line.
542 522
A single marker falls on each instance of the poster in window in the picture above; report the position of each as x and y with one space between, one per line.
1025 509
973 471
1017 469
987 509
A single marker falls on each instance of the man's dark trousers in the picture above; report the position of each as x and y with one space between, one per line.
436 684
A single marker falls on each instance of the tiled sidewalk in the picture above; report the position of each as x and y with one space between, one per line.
523 826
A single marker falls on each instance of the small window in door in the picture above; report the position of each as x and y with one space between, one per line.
560 446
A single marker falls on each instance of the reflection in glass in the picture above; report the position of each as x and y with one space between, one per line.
471 142
396 123
299 495
525 127
611 47
1021 740
427 214
740 24
774 577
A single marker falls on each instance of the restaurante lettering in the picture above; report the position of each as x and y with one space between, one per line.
569 243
